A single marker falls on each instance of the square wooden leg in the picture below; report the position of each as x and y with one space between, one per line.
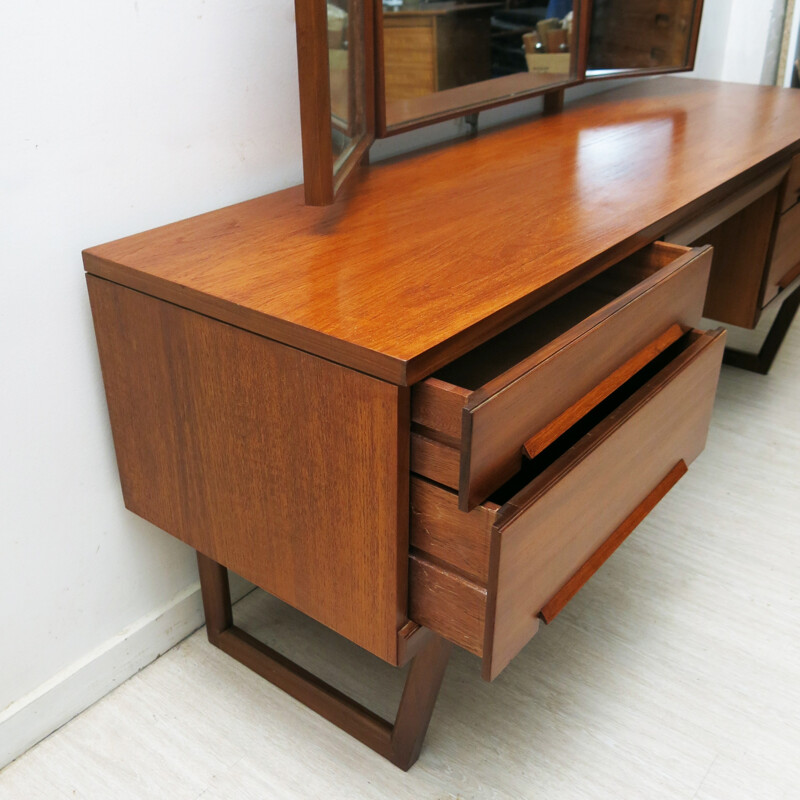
400 742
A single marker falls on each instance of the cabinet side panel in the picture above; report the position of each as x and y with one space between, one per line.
741 247
288 469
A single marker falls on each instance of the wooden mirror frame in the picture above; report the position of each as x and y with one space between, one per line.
640 72
313 62
321 185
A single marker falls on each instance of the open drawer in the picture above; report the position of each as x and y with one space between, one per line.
484 579
472 419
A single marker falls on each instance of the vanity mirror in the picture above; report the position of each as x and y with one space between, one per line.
334 56
379 67
642 36
442 59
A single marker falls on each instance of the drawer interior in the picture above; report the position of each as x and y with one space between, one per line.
498 355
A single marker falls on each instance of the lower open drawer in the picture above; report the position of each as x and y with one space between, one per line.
482 579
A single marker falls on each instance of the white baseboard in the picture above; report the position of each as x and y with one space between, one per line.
36 715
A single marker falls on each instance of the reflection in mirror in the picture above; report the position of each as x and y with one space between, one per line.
440 57
640 34
348 117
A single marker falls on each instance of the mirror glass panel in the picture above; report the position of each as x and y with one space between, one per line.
441 57
627 35
348 77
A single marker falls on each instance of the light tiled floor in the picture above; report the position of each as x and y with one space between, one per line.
674 674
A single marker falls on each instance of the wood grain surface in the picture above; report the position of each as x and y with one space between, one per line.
436 460
785 256
567 592
694 228
437 404
440 530
497 428
557 359
552 527
742 246
321 178
446 602
288 469
562 423
427 256
791 194
517 558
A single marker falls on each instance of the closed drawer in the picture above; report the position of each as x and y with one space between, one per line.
785 264
792 194
409 57
484 579
472 419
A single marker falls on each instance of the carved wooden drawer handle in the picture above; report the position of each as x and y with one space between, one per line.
556 604
547 435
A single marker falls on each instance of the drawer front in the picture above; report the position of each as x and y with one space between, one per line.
409 55
792 195
542 539
785 256
472 439
520 558
496 428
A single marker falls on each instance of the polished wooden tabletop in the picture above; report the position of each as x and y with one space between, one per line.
432 253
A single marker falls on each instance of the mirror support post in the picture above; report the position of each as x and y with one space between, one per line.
554 102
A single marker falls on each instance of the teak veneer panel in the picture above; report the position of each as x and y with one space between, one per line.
522 554
786 255
289 469
791 194
442 531
741 248
448 603
634 304
553 527
428 255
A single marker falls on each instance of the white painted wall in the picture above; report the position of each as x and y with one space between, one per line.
711 49
794 43
733 39
117 117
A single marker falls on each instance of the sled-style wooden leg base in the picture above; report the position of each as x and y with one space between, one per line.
400 742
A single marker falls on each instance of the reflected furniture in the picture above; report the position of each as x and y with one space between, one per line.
640 34
436 46
427 414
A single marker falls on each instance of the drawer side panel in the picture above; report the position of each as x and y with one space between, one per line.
439 529
447 603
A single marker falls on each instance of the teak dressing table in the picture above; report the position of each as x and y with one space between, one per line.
427 413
